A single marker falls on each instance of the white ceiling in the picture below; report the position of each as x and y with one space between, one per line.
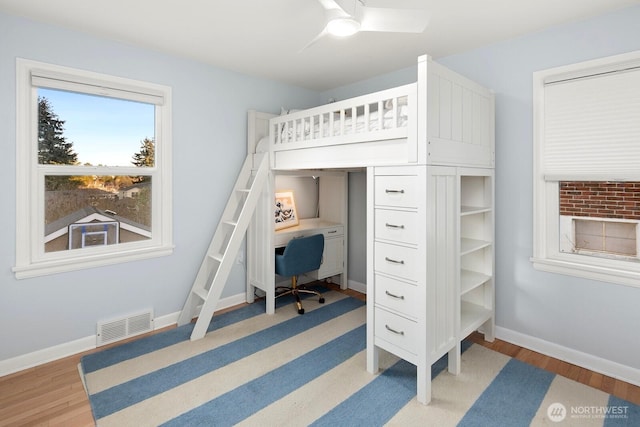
264 37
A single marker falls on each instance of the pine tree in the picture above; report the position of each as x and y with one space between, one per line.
53 148
145 157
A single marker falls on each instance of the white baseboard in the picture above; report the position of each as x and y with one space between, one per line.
39 357
357 286
588 361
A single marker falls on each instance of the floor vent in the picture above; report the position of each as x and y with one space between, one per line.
119 329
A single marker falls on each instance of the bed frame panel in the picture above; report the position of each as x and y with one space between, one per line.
460 116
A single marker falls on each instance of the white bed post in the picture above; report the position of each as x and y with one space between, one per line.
259 259
372 349
421 142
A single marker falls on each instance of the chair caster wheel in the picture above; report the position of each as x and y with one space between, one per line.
301 311
321 300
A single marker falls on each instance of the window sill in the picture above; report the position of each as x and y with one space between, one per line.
61 266
587 271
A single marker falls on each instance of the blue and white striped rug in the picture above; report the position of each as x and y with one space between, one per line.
286 369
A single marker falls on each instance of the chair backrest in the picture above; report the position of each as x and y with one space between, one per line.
301 255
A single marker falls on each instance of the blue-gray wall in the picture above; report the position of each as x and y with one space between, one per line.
594 318
209 145
598 319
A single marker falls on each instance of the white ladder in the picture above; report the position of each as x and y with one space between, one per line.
216 265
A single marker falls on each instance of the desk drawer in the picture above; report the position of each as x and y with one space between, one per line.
399 191
396 260
396 295
400 226
332 231
281 238
397 330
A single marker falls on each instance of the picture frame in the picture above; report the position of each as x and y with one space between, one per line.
285 211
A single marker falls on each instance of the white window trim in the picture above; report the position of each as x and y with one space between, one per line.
546 215
30 258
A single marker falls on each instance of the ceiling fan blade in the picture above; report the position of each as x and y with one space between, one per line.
394 20
329 4
315 39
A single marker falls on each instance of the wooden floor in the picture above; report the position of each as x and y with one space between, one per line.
53 395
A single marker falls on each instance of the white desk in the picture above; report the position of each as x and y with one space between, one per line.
333 255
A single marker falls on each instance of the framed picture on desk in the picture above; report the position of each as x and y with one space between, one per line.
285 210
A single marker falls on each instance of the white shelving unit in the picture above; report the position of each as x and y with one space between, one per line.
475 256
476 234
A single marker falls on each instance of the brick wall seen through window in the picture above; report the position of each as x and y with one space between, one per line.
599 199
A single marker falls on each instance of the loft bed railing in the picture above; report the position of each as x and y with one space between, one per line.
380 116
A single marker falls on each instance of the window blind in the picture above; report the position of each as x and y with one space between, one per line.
592 127
94 86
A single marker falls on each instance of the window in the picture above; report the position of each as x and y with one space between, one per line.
600 218
587 169
93 169
605 238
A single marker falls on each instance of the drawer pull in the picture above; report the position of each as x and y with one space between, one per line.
332 231
401 227
393 260
393 330
394 191
394 296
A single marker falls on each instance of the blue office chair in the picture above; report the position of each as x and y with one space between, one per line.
300 256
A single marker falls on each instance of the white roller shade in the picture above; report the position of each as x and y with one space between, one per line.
83 84
592 127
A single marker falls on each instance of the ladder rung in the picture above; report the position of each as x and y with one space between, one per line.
244 190
231 223
217 257
201 293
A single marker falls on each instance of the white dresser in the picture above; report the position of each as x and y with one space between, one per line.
415 306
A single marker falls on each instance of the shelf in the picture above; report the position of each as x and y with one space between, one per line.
469 280
472 316
472 210
470 245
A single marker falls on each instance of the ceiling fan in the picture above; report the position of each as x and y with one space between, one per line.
347 17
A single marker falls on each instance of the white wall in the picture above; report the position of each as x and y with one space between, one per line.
591 322
209 145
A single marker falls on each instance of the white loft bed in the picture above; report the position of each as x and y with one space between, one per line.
430 136
443 118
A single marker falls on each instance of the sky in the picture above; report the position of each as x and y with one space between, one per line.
104 131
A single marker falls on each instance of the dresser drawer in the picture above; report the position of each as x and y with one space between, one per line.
399 226
396 295
396 260
399 191
397 330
